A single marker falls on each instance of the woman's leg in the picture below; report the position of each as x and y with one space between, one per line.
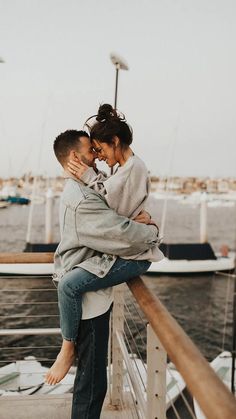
70 290
70 314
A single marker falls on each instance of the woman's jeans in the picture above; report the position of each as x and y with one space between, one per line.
78 281
90 384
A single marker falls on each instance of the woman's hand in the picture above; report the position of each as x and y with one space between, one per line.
77 168
143 217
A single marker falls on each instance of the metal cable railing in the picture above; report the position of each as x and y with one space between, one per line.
138 357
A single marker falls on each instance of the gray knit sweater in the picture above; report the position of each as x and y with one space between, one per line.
126 191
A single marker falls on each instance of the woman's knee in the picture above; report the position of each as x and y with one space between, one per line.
71 281
64 285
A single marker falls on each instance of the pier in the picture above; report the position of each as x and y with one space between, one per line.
137 387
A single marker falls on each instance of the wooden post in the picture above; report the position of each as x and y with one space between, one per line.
49 216
156 376
117 358
203 218
31 209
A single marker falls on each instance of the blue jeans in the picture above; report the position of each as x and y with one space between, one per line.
90 384
78 281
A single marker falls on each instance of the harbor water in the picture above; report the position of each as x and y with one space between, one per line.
201 303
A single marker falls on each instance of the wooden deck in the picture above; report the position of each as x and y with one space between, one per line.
52 407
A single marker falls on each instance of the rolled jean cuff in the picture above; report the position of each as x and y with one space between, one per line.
74 340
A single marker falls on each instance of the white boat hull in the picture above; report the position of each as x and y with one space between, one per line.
193 266
222 365
28 377
164 266
26 269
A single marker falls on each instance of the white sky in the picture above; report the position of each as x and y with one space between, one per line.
179 94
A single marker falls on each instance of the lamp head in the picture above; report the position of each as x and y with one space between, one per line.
118 61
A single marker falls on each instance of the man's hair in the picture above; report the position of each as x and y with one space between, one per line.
67 141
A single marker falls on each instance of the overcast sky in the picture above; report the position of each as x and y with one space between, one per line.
179 94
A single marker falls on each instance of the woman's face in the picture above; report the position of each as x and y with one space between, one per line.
105 152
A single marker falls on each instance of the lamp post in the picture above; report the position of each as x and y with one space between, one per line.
120 64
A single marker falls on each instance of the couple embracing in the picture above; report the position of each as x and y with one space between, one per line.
107 238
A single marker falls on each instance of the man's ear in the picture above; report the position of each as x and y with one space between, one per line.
74 155
116 141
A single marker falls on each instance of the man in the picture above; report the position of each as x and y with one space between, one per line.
93 237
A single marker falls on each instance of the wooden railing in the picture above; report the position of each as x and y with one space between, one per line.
26 258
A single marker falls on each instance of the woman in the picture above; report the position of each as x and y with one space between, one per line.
126 191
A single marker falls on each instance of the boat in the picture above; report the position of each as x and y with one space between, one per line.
191 258
26 377
222 365
20 200
26 269
4 204
179 259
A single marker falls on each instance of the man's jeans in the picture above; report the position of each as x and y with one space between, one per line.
91 378
78 281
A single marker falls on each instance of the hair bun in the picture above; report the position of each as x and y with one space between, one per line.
105 113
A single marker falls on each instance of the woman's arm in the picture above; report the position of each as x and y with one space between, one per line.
100 228
88 176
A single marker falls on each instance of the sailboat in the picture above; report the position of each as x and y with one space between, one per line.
192 257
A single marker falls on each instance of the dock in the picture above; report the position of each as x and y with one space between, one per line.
137 388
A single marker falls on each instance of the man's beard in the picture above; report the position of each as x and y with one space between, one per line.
89 163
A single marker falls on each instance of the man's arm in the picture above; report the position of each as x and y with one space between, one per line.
102 229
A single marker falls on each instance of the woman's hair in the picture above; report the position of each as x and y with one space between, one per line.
110 124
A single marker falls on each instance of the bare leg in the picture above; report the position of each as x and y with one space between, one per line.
62 364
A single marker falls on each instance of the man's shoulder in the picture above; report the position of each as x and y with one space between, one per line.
76 192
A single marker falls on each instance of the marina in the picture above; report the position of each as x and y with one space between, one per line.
26 324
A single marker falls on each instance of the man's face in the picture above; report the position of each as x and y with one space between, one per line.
86 152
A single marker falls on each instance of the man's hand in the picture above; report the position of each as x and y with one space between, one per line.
143 217
77 168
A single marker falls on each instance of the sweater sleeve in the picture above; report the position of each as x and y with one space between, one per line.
94 180
100 228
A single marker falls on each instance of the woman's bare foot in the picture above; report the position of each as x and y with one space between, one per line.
62 364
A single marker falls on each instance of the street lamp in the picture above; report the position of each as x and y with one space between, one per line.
120 64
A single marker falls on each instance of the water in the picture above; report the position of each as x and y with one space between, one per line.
198 302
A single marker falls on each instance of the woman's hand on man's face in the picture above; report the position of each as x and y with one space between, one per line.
77 168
